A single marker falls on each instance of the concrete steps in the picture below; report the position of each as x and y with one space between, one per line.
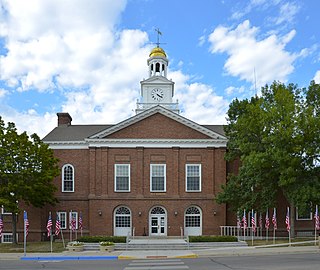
164 243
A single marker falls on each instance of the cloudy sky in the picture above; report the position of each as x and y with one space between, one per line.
87 57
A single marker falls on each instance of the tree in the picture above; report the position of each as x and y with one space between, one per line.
276 138
27 169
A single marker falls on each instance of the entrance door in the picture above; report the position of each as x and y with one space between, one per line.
158 222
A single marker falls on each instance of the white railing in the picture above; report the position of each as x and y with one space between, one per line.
144 106
240 232
181 232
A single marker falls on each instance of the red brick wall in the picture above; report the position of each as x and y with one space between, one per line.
158 126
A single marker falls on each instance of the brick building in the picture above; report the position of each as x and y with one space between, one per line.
156 173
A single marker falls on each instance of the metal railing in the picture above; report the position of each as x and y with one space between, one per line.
144 106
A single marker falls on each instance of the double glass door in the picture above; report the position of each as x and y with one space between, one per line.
158 225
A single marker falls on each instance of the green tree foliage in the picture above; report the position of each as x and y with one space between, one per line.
27 169
276 137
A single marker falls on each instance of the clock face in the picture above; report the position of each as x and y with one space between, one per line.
157 94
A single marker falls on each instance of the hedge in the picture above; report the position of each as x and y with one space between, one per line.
97 239
212 238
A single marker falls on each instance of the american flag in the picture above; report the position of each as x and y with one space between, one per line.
317 219
267 221
253 221
80 221
274 219
26 223
288 219
72 222
49 225
1 225
244 219
58 225
238 221
260 221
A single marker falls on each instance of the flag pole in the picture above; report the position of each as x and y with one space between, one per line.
24 234
64 246
252 217
316 224
70 216
50 232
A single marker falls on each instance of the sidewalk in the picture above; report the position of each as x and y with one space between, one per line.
159 254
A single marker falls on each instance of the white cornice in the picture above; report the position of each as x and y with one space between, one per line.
133 143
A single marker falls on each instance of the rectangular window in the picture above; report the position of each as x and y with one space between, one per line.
193 221
63 219
4 211
7 238
193 177
158 178
123 221
73 217
303 216
122 177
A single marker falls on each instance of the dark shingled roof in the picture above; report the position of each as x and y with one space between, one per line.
74 132
80 132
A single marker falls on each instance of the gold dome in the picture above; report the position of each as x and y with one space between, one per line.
157 51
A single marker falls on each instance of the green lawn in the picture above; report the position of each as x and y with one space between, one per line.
279 241
31 247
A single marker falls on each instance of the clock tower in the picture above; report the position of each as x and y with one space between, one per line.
157 89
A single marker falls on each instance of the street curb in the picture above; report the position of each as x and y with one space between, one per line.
69 258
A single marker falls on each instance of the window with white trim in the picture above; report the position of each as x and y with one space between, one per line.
123 217
303 216
73 216
67 178
122 177
7 238
193 217
157 177
4 211
63 219
193 177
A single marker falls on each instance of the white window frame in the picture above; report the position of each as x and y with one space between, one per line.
4 212
7 234
297 216
115 178
74 214
186 177
164 176
62 213
73 182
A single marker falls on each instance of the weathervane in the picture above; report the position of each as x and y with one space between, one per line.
158 37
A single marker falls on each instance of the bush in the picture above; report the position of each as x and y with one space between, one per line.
98 239
212 238
106 244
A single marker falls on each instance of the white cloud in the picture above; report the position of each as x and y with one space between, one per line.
317 77
75 49
247 53
231 90
3 92
198 101
287 13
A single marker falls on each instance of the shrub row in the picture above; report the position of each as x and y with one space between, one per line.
212 238
97 239
122 239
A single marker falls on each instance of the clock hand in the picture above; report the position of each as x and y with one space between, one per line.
159 95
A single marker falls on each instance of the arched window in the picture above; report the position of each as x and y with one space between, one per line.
122 221
67 178
193 221
157 210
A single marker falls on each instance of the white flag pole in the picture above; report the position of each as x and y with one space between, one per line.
315 226
51 231
70 220
24 233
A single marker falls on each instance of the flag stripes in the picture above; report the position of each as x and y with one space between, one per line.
1 225
49 225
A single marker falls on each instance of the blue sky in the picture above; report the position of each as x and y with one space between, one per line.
87 57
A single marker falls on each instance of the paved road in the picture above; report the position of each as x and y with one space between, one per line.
252 262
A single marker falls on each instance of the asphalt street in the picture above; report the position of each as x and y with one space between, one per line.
310 261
